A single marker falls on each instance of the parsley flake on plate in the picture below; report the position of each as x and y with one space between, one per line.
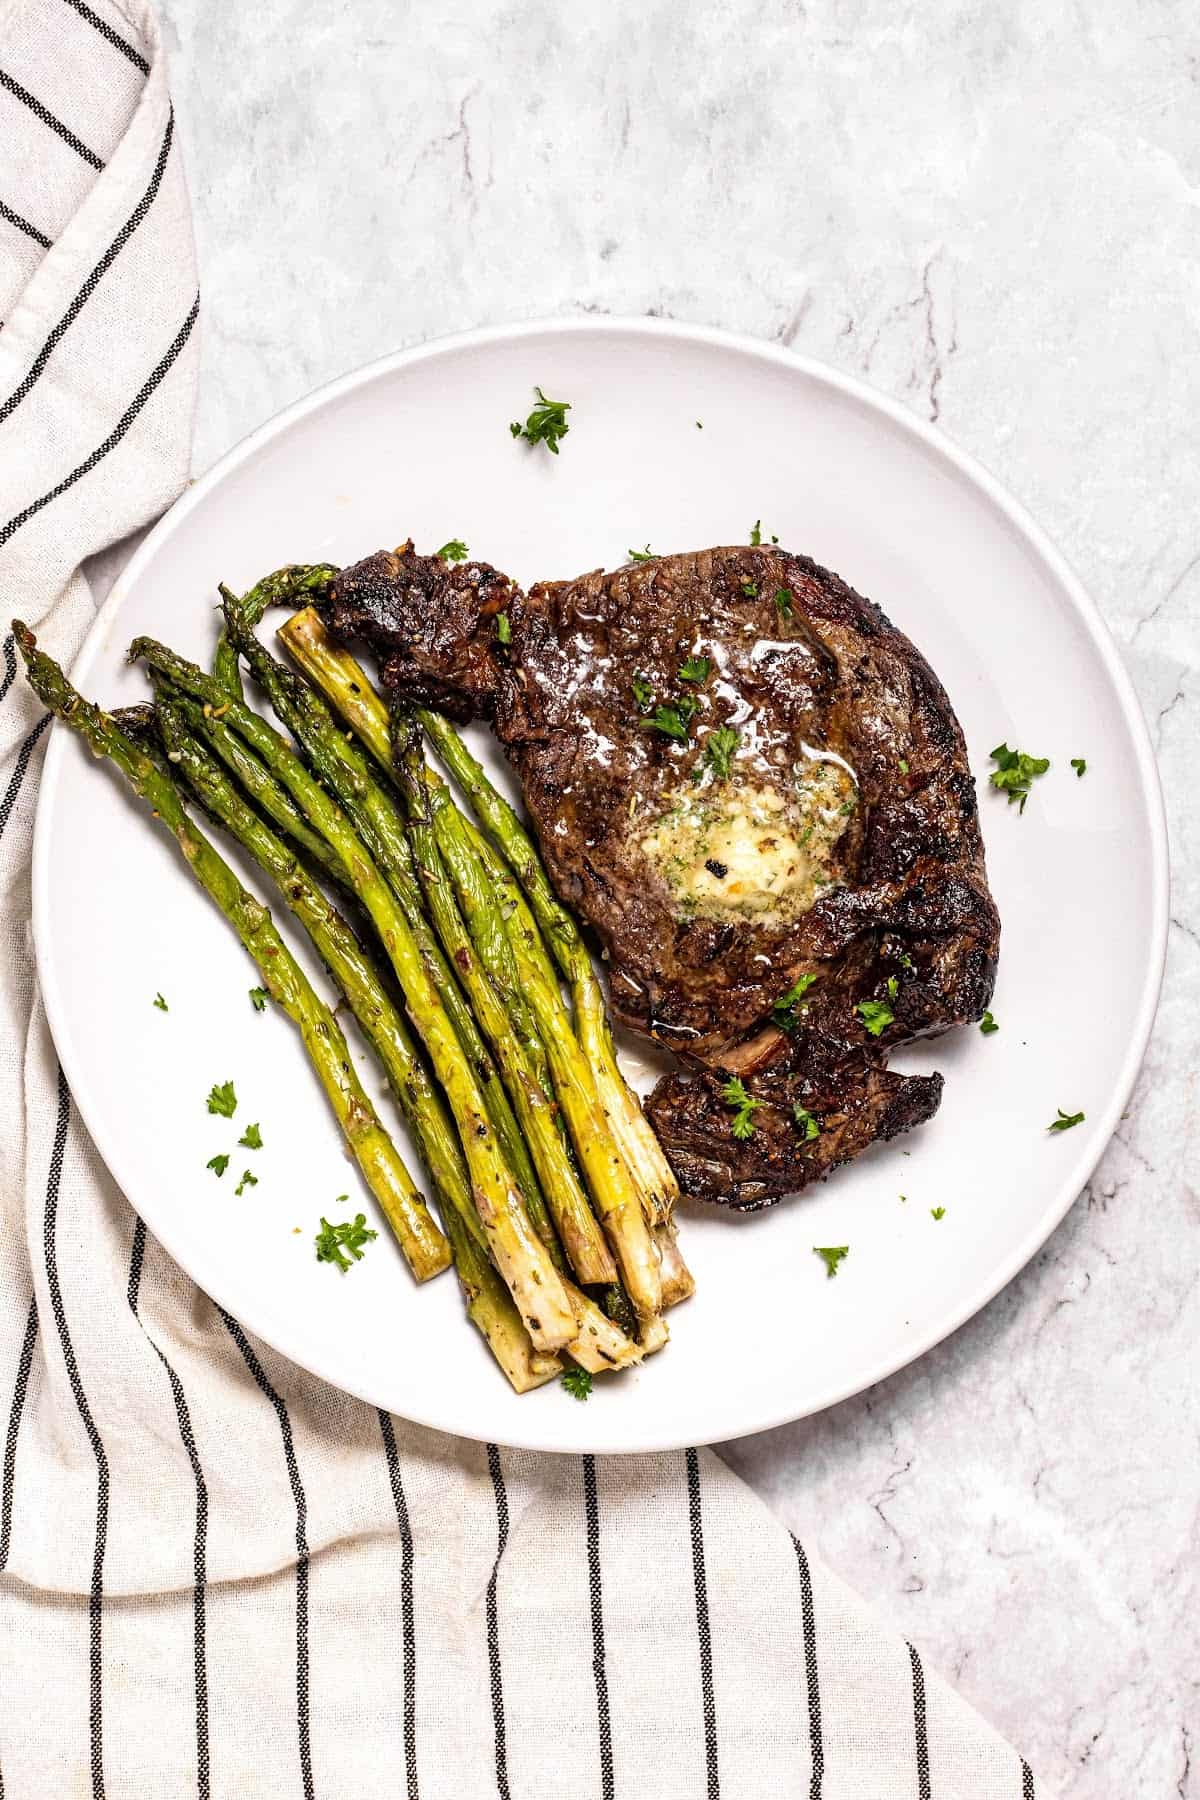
259 998
546 424
577 1382
696 668
251 1138
937 1212
1015 772
783 1010
1065 1121
222 1099
743 1106
831 1255
1079 764
988 1025
248 1180
453 552
161 1003
218 1164
876 1015
334 1241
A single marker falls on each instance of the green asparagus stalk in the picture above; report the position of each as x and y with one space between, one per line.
581 1236
608 1176
385 1174
518 1253
488 1303
280 589
380 827
341 679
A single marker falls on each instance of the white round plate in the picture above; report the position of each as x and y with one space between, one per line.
679 438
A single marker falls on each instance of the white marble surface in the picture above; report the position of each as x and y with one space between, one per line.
993 212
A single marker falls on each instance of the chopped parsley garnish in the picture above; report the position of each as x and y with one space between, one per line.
904 765
937 1212
893 986
643 693
161 1003
251 1138
248 1180
699 426
783 603
1079 764
333 1241
719 747
750 589
756 534
454 551
696 668
1015 772
744 1107
223 1100
258 998
831 1255
1065 1121
503 628
672 721
783 1010
907 963
577 1382
546 424
876 1015
988 1025
808 1125
218 1164
646 555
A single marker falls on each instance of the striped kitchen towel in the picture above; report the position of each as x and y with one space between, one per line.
218 1576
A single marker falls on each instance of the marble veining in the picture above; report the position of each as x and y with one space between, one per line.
992 213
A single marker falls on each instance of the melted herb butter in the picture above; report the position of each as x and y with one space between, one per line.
750 850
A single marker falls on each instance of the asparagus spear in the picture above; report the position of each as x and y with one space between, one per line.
488 1302
384 1172
375 817
516 1250
280 589
341 679
608 1175
582 1239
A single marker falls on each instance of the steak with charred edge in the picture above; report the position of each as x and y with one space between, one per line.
797 661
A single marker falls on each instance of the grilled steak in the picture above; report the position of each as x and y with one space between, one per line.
755 790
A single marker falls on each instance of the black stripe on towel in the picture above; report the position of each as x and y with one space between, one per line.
19 773
10 665
114 38
48 118
96 1601
106 261
8 1482
289 1456
591 1507
702 1626
493 1623
200 1544
20 224
114 437
407 1625
924 1790
808 1620
1026 1781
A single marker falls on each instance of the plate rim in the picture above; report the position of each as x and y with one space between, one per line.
1074 1176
